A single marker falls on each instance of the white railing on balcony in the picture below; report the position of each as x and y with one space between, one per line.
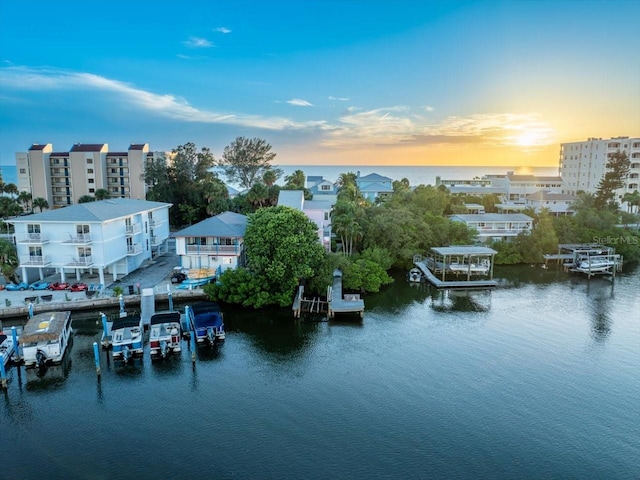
500 231
39 260
214 249
81 261
34 238
134 249
79 238
133 229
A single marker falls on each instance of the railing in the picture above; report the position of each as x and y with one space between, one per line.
81 262
501 231
34 238
217 249
80 238
152 222
133 229
134 249
38 260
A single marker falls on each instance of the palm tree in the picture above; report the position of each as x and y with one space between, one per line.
8 260
296 180
11 189
270 177
102 194
40 203
632 200
24 198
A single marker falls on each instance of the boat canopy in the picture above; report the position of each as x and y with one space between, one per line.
166 317
126 322
44 327
208 319
202 307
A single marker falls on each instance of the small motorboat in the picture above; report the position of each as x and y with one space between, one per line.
164 336
45 338
205 319
414 275
6 348
127 337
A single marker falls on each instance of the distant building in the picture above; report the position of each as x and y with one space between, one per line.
215 242
63 177
318 211
112 236
555 203
322 189
496 226
374 186
583 164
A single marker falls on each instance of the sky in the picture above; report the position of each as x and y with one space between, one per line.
324 82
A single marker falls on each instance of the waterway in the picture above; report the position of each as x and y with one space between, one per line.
539 378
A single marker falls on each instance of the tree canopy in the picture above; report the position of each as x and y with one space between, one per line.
246 160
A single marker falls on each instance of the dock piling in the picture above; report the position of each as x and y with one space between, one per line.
3 374
96 355
16 345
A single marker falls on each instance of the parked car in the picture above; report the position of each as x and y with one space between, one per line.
78 287
178 277
39 285
59 286
14 287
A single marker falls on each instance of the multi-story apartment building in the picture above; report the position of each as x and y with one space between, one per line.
112 236
583 164
63 177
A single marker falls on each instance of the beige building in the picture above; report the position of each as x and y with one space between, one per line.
63 177
583 164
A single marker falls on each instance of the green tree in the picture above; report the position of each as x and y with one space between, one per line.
102 194
40 203
245 161
296 181
270 177
632 200
86 199
282 247
8 261
25 199
618 166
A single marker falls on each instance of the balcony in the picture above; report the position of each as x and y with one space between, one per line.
84 262
133 229
34 239
79 239
229 250
507 232
35 260
134 249
155 241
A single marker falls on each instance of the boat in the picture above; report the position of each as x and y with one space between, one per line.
197 277
45 338
6 348
595 264
206 320
127 337
414 275
481 268
164 336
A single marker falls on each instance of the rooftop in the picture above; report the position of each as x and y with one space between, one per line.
226 224
88 147
463 250
493 217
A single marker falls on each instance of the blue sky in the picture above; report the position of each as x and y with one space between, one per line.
325 82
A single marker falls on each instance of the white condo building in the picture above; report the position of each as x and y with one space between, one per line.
63 177
583 164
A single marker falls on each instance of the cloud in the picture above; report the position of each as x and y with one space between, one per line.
299 103
429 108
168 106
342 99
197 42
222 30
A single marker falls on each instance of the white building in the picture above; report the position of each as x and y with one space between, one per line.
316 210
214 242
496 226
555 203
110 236
583 164
374 186
63 177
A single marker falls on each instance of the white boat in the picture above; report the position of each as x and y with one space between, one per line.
481 268
127 337
596 264
45 338
164 336
6 348
414 275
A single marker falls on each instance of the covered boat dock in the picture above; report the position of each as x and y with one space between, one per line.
466 258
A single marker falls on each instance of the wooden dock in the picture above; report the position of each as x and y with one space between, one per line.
307 305
455 283
336 302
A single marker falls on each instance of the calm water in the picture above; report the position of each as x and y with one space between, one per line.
538 379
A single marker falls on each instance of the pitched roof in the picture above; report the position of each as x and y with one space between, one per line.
317 205
226 224
36 146
87 147
546 195
377 187
99 211
291 198
373 177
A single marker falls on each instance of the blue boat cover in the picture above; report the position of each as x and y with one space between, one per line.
126 322
166 317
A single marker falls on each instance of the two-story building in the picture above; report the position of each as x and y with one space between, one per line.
374 186
496 226
215 242
555 203
112 236
316 210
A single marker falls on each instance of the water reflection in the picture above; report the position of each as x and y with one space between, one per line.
52 376
600 292
460 300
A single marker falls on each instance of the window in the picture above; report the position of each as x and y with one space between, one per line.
91 180
92 190
325 188
89 170
89 161
23 171
82 229
33 228
84 252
